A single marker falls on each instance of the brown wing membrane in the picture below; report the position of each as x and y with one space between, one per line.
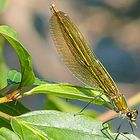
77 55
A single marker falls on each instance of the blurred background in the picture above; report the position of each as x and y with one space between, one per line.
112 28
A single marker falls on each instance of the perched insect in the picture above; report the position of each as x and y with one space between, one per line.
83 63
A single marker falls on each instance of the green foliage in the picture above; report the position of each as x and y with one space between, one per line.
24 57
3 74
41 82
11 108
62 90
54 125
3 67
53 102
14 76
70 92
14 108
6 134
47 125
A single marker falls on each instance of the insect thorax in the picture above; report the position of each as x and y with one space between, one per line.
120 106
119 103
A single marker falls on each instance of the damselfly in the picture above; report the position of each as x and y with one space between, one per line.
82 62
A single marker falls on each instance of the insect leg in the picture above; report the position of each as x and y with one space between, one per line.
121 133
78 113
131 127
106 127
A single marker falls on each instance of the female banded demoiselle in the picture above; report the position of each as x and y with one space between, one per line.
82 62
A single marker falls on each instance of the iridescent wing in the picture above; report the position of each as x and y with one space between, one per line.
77 55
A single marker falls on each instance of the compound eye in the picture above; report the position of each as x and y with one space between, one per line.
129 114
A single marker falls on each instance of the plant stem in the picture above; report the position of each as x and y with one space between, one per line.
6 116
10 97
133 101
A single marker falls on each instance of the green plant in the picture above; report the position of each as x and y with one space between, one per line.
19 123
44 124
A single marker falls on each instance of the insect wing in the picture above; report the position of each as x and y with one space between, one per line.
77 55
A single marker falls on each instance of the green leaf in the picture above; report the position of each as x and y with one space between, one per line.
13 108
70 92
3 75
3 67
24 57
14 76
41 125
55 103
6 134
3 5
41 82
